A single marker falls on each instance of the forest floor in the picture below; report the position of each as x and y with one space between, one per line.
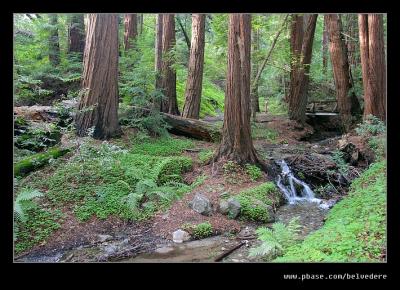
114 239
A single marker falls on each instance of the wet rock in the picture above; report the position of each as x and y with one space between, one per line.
223 207
201 204
180 236
233 208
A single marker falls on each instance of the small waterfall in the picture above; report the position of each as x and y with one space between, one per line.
287 184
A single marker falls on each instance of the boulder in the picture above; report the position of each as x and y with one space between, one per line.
223 207
233 208
201 204
180 236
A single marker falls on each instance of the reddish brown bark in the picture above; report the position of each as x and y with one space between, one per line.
98 107
130 32
325 47
300 78
191 108
236 144
168 74
372 48
158 50
341 71
76 35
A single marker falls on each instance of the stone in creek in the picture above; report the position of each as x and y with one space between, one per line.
180 236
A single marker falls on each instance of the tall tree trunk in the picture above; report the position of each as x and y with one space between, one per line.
185 35
54 45
191 108
296 40
168 74
130 33
372 49
158 50
298 94
98 107
140 23
76 35
236 144
325 47
341 72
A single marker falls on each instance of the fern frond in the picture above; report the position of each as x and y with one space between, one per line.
28 195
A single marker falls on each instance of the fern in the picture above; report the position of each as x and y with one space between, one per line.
276 240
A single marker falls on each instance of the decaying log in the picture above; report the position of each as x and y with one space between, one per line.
193 128
223 255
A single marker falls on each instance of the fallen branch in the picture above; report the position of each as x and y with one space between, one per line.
223 255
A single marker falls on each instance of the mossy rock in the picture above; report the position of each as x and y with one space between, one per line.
257 203
36 161
171 169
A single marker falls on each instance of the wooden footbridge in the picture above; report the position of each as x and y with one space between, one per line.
322 108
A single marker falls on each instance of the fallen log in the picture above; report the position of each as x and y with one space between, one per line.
225 254
193 128
38 160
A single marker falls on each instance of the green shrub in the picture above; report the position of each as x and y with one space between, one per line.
165 146
337 157
355 228
253 172
275 241
199 231
371 126
205 155
256 201
262 132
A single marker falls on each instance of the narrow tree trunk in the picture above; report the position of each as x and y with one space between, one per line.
98 107
185 35
236 144
54 45
254 86
168 74
373 64
191 108
325 47
255 105
76 35
298 95
341 72
140 23
130 33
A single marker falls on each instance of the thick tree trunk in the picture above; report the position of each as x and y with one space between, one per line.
158 50
54 45
236 144
341 71
130 32
191 108
325 47
298 89
76 35
98 107
168 74
373 64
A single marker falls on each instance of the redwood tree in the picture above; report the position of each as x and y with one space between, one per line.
347 101
300 75
325 47
130 32
76 35
372 48
54 45
158 50
191 107
236 144
98 107
168 73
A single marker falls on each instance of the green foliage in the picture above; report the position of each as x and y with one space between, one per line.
37 139
41 223
259 131
205 155
199 231
276 105
24 202
337 157
355 229
255 202
276 241
253 171
371 126
166 146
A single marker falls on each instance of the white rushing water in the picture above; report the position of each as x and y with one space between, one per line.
287 184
